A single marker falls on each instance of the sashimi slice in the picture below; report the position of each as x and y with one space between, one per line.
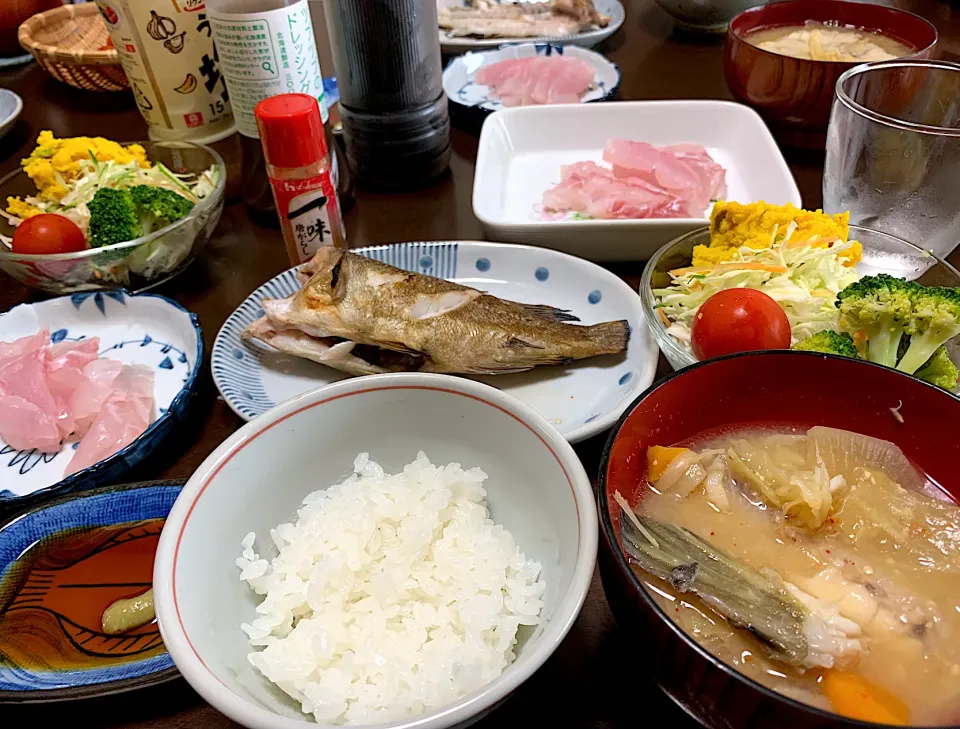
19 347
87 400
125 416
537 80
494 74
26 427
685 171
24 376
64 364
588 188
699 156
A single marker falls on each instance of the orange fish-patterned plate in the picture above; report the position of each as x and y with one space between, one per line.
62 565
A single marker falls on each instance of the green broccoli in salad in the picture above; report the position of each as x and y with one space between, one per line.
880 307
939 370
113 217
829 342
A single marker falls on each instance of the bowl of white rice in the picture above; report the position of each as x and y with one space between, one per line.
400 550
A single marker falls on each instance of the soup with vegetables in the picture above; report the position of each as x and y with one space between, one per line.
821 564
815 41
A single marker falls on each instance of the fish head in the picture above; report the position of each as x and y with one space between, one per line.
326 285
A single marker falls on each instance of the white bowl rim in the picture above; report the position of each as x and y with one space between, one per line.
15 114
206 683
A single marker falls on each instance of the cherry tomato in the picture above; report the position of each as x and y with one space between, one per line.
48 233
739 320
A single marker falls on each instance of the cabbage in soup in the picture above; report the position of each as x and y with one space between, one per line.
840 561
815 41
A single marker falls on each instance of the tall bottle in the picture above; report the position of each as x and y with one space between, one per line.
267 48
392 103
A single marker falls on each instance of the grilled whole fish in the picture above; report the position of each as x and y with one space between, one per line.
488 19
363 317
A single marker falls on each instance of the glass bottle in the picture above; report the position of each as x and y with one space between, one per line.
267 48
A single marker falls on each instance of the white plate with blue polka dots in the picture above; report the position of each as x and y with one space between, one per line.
580 400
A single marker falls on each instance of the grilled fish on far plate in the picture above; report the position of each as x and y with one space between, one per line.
364 317
551 18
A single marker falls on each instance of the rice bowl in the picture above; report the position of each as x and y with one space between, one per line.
257 479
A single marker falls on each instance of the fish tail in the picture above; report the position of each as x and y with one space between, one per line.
610 337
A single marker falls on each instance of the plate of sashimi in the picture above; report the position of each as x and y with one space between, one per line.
89 386
529 74
616 181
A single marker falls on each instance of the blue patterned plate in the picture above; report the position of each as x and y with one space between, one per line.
462 90
142 329
581 400
103 507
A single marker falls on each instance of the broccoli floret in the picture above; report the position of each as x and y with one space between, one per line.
113 217
879 306
939 370
829 342
158 206
935 321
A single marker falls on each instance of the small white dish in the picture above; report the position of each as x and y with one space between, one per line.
144 329
11 106
256 480
522 149
580 400
462 89
611 8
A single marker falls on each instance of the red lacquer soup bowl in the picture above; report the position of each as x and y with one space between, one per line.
781 388
794 95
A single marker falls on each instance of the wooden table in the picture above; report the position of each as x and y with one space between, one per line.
592 680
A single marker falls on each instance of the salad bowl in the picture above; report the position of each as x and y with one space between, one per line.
882 253
135 265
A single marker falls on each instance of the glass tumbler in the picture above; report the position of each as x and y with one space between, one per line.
893 151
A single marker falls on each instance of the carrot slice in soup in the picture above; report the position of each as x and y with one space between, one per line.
658 458
856 697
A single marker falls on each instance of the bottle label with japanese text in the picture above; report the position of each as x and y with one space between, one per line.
166 50
309 214
265 54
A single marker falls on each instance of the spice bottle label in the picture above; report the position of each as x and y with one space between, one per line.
309 214
266 54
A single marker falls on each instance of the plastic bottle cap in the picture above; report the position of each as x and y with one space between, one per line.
291 130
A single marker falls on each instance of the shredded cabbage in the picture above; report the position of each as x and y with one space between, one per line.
96 174
807 292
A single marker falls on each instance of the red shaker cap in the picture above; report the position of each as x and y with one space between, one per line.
291 130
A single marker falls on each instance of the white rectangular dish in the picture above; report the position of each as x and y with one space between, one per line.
522 149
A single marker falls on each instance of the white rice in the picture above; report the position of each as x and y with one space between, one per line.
391 595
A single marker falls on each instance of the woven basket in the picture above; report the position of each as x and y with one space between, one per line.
66 42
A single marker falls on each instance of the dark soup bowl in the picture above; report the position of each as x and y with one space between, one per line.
794 95
777 389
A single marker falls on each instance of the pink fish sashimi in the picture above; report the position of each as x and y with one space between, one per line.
87 400
26 427
64 371
537 80
595 191
124 417
495 74
24 376
697 155
28 411
686 171
19 347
